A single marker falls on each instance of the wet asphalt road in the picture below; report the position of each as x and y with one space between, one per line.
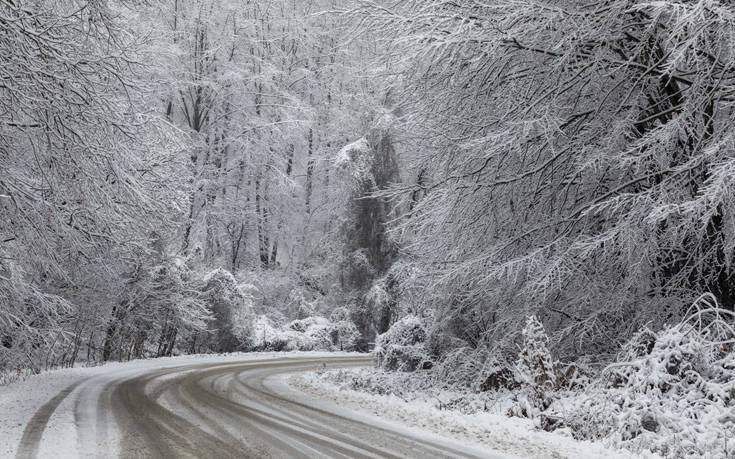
223 410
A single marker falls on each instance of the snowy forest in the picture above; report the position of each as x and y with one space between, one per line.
493 194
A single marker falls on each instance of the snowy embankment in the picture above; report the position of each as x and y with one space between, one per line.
49 398
669 392
513 436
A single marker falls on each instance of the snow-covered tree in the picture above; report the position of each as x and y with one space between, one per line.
232 311
367 167
87 169
535 368
570 157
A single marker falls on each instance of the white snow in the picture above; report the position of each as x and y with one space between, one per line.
387 415
20 400
351 152
512 436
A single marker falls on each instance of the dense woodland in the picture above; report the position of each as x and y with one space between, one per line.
185 176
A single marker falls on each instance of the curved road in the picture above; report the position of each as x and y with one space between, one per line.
222 410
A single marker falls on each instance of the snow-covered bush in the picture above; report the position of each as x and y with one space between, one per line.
462 367
344 335
408 331
535 370
231 308
672 392
322 334
316 333
534 366
267 336
309 334
402 346
361 316
404 358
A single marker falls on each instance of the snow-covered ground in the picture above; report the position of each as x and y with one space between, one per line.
513 436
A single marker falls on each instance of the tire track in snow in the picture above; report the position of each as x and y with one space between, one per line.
31 439
226 410
151 430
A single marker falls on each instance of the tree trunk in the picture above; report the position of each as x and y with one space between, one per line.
309 170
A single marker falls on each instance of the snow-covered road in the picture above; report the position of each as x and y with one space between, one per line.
231 408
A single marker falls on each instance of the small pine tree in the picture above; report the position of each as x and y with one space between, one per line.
535 367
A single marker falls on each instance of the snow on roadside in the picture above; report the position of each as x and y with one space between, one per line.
512 436
20 400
